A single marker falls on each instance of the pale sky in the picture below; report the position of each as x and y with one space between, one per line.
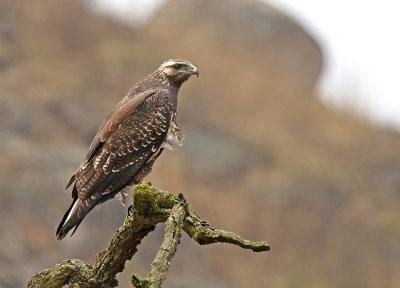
361 43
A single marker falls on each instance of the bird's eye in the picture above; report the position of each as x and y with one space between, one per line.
177 66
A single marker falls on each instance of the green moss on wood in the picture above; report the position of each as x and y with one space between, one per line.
150 207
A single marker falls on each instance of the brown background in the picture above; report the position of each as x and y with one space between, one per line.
262 156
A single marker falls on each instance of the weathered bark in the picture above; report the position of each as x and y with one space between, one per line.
150 206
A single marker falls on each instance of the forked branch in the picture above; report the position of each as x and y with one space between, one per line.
150 207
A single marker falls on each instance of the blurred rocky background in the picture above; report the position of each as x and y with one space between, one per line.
262 156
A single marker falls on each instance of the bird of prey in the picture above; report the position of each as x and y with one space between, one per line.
128 141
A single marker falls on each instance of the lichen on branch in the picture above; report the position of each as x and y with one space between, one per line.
150 206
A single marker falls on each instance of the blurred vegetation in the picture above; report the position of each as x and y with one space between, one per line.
320 185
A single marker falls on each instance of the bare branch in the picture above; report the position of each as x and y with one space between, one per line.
69 271
160 265
204 233
150 206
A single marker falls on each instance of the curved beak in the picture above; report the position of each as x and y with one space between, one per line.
194 70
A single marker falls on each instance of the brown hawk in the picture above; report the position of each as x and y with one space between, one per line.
128 141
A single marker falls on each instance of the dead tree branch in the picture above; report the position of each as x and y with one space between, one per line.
150 206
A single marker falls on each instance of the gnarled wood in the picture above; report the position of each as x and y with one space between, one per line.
150 206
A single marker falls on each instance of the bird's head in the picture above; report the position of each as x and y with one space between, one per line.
177 71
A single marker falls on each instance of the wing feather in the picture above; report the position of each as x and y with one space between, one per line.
133 142
126 150
123 109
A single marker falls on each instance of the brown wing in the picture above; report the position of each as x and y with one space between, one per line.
127 152
123 109
119 113
129 146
